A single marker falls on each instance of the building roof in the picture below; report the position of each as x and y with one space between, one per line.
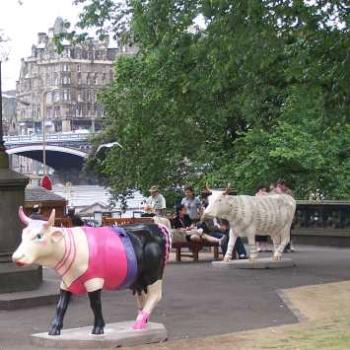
90 209
40 194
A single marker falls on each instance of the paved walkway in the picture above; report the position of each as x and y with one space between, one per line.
200 301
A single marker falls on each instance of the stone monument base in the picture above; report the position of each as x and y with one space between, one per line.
116 335
14 279
47 293
259 263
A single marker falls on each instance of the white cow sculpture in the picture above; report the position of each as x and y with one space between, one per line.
254 215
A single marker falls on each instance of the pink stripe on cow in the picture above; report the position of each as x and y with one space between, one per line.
167 237
107 260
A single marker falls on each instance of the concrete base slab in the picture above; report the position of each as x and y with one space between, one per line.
259 263
47 293
116 335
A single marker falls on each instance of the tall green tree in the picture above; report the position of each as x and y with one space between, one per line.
257 93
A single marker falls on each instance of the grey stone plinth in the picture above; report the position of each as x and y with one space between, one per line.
12 187
259 263
14 279
47 293
116 335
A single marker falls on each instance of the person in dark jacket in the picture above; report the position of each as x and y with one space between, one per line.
36 213
183 224
76 219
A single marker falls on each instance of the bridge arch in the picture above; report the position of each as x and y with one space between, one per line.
57 157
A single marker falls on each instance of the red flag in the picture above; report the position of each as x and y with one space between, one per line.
46 183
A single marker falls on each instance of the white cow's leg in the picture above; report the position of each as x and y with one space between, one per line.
276 243
230 245
153 297
252 247
141 300
284 239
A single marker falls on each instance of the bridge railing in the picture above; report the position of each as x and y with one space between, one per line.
56 137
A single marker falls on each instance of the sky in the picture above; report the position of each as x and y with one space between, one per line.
21 23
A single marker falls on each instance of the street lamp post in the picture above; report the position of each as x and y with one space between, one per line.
43 127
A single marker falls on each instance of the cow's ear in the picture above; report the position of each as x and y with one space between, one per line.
56 236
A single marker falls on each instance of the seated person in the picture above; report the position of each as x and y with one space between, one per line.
220 228
75 218
36 213
184 227
155 204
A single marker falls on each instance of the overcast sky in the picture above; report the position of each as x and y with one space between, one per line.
22 23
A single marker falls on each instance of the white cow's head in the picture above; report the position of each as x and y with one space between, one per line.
218 205
39 240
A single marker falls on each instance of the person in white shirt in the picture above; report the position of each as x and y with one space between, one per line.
191 203
155 203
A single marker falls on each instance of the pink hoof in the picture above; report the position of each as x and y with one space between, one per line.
141 320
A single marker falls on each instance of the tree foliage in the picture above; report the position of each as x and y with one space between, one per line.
259 92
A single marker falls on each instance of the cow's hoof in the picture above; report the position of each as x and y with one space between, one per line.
277 257
227 259
141 321
139 325
98 330
54 331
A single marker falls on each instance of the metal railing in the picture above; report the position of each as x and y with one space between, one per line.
56 137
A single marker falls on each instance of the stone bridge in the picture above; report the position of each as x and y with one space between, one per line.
63 150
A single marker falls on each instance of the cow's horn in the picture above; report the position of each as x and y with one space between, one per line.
23 217
207 188
228 189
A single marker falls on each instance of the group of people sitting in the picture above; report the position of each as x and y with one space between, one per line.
187 225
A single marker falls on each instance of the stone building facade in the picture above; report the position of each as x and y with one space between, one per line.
61 88
9 111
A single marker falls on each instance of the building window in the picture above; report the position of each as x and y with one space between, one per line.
49 97
56 96
78 68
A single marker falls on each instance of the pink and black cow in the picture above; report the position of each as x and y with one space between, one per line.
90 259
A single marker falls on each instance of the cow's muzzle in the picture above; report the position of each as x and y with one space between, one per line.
17 260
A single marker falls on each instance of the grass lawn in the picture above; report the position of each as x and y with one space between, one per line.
325 307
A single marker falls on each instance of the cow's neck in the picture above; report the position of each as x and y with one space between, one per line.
67 253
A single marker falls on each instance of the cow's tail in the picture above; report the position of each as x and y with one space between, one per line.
167 238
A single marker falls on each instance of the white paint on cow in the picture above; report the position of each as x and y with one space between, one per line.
44 244
251 215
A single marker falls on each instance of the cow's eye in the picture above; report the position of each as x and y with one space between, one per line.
39 236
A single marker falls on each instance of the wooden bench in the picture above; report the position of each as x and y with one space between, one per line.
63 222
108 221
194 249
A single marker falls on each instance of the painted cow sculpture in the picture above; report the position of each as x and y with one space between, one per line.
90 259
252 215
